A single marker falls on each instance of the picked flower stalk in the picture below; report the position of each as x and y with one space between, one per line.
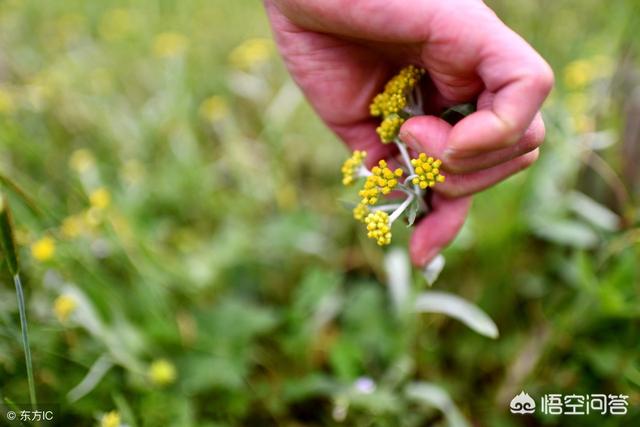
379 207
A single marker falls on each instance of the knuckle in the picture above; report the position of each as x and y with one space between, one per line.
543 78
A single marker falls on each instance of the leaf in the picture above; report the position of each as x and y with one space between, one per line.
435 396
412 212
432 271
565 232
7 242
457 113
593 212
398 269
458 308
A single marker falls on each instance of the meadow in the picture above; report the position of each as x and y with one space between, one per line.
187 258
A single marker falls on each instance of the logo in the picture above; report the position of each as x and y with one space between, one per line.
522 404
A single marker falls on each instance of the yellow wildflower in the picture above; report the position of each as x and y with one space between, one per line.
427 170
100 198
251 53
389 128
378 227
381 181
64 306
394 97
162 372
360 212
81 160
169 44
214 109
7 104
115 24
44 249
111 419
351 166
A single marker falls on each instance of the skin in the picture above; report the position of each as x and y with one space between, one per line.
341 53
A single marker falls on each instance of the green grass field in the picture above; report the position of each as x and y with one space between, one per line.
187 259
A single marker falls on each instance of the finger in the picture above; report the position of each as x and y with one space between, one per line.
458 185
532 139
428 134
438 228
519 80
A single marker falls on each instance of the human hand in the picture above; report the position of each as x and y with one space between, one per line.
341 54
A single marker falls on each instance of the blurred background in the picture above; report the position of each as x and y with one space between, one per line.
187 259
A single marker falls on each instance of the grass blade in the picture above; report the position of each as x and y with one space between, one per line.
8 246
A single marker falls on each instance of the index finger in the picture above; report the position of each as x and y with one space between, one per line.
519 80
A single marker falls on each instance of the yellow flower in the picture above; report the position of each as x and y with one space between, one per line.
115 24
251 53
72 226
162 372
360 212
381 181
100 198
64 306
214 109
44 249
394 97
81 160
351 166
7 104
427 170
169 44
389 128
378 227
111 419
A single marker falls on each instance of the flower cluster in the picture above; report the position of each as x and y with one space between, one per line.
379 227
395 104
351 167
381 181
392 102
360 211
427 171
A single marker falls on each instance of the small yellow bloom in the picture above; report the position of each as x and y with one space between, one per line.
115 24
81 160
394 97
427 170
100 198
360 212
251 53
381 181
44 249
378 227
351 166
72 226
214 109
64 306
169 44
7 104
389 128
111 419
162 372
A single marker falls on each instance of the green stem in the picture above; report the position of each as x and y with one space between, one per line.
25 339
